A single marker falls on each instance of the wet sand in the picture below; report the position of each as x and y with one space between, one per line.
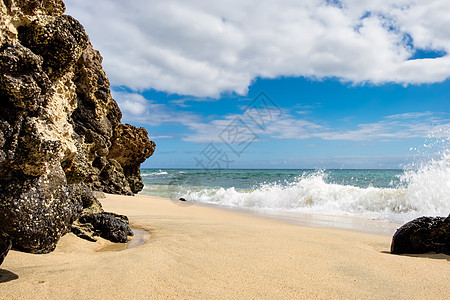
194 252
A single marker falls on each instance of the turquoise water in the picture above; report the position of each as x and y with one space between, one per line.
388 195
244 180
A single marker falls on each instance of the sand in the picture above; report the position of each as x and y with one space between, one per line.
199 252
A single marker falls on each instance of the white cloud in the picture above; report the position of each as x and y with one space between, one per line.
161 137
303 112
285 126
428 23
393 127
204 48
137 109
279 124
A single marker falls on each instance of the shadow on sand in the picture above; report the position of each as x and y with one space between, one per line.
6 276
426 255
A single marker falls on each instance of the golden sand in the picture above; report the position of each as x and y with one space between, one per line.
199 252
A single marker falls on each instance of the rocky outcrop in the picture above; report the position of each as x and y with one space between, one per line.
60 131
422 235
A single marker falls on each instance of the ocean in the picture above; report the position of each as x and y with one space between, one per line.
386 195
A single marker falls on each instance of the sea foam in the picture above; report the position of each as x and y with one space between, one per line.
425 191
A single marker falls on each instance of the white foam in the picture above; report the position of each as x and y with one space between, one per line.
154 174
425 192
428 188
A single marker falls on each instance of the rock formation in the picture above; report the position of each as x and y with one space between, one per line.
110 226
422 235
60 131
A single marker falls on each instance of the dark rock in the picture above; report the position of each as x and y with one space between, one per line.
59 41
113 179
422 235
182 199
85 194
5 246
23 80
35 211
84 231
93 221
108 226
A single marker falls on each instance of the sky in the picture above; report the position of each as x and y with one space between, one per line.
278 84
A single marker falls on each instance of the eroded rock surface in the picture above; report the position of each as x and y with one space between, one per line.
422 235
60 132
107 225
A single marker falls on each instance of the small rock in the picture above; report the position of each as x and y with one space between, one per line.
422 235
182 199
109 226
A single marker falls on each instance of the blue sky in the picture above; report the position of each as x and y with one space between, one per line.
345 84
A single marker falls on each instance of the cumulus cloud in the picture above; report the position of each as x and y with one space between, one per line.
205 48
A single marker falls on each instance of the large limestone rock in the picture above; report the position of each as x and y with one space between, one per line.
60 130
422 235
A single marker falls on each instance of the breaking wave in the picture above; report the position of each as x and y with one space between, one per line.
425 191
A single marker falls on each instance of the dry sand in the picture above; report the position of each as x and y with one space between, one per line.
200 252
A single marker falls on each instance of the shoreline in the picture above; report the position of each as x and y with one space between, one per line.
203 252
343 222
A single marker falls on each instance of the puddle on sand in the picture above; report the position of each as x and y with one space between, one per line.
139 238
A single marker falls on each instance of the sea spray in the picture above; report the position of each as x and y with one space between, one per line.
310 193
390 195
428 188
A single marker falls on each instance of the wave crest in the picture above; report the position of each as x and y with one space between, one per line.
422 192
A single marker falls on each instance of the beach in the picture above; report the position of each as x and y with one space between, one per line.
197 252
289 141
